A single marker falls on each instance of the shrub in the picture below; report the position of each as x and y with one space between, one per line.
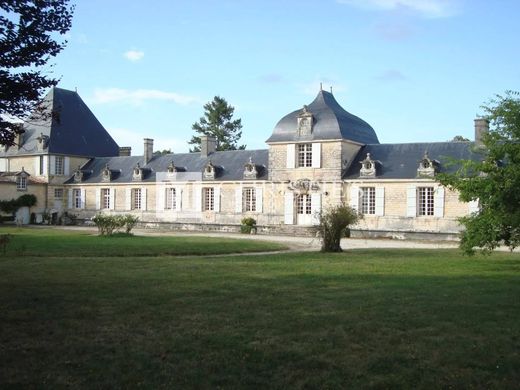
247 224
108 224
333 225
130 222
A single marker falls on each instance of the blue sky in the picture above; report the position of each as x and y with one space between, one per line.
416 70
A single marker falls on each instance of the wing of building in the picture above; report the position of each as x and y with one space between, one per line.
317 156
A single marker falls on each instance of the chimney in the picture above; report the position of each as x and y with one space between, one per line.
481 128
125 151
208 145
148 150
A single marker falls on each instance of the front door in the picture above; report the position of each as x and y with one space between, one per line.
303 209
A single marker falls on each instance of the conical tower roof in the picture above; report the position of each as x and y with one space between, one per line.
329 121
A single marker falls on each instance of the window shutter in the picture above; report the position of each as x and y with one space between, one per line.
438 205
98 199
259 194
128 199
197 198
45 165
143 198
291 150
289 208
66 166
70 198
178 199
315 208
112 199
52 161
83 198
216 200
411 201
238 200
354 197
160 197
316 155
473 206
380 201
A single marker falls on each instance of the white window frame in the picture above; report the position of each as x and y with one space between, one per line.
208 199
21 183
59 165
105 198
137 199
426 201
58 193
304 155
367 200
76 198
170 198
304 204
249 199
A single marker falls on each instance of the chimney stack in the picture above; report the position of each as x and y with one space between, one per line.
125 151
148 150
481 128
208 145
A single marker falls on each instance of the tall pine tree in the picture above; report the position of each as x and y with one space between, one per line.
218 122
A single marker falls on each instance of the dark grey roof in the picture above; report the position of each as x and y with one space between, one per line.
230 165
71 127
331 121
400 161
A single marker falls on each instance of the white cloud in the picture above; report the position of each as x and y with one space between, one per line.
427 8
134 55
391 75
134 139
138 96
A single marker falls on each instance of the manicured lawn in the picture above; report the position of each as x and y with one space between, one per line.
360 319
60 243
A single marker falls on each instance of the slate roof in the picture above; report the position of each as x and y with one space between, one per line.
230 166
400 161
331 121
71 127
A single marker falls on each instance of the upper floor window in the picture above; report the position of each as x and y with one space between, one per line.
249 199
170 199
208 199
425 201
59 165
41 169
304 155
367 200
21 183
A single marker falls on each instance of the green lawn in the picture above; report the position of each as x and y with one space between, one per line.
360 319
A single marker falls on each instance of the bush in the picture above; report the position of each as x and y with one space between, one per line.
247 224
334 223
108 224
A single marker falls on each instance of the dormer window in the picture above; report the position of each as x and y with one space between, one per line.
137 173
305 122
171 167
368 167
250 171
43 140
78 175
427 167
21 180
209 171
107 174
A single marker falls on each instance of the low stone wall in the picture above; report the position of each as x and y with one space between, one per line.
405 235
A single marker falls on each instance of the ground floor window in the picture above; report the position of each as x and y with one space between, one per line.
208 199
170 199
76 198
425 201
105 198
367 200
137 199
303 204
58 193
248 199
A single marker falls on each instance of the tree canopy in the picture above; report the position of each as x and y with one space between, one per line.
493 180
28 32
218 122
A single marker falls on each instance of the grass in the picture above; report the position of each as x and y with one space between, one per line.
360 319
63 243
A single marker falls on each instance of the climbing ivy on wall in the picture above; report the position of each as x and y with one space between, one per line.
11 206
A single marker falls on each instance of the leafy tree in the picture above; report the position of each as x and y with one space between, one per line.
333 224
459 138
493 180
163 152
217 122
28 30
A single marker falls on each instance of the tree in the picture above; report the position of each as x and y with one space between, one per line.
217 122
333 223
459 138
493 180
163 152
28 31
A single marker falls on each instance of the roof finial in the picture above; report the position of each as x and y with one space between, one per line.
331 89
321 86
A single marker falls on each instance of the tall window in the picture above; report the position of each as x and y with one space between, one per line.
59 165
248 199
76 198
303 204
170 199
305 155
367 200
136 199
41 165
208 199
105 198
21 183
425 200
